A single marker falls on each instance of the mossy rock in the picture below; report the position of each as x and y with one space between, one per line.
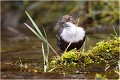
105 54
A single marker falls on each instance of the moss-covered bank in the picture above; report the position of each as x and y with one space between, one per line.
102 57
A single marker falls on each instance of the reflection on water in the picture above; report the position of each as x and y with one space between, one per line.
29 52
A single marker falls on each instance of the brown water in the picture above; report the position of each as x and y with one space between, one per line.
16 53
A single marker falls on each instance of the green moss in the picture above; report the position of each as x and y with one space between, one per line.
98 58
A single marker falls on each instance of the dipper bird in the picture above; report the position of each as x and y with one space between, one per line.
70 33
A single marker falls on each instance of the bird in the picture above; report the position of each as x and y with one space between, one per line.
69 33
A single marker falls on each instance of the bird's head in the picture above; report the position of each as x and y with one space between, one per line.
62 22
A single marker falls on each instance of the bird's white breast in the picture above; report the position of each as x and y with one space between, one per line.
72 34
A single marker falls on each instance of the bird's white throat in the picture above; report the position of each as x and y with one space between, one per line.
72 33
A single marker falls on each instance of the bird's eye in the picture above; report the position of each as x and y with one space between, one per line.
68 19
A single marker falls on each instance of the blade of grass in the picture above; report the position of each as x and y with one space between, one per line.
84 44
78 21
44 58
39 34
115 31
34 31
53 50
52 69
47 44
67 47
36 27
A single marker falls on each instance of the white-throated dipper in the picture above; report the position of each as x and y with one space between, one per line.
70 33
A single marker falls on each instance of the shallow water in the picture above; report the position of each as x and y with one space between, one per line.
16 53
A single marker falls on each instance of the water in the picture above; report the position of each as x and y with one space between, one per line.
22 58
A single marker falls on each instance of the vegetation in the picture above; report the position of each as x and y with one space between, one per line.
38 33
103 56
104 12
46 13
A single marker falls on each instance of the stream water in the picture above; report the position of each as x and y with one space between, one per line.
22 58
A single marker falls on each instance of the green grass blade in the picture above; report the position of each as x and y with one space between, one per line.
45 59
67 47
47 44
40 37
34 31
84 44
43 51
52 69
115 31
38 32
36 27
